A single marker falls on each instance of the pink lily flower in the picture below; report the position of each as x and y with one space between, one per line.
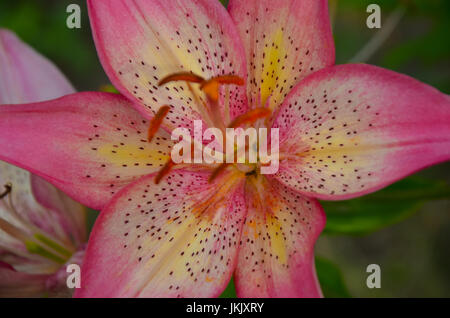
345 131
41 229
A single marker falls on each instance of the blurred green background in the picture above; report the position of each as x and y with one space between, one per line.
405 228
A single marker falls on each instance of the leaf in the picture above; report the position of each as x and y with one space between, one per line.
230 291
331 279
383 208
91 217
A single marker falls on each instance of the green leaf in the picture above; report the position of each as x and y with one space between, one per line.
380 209
91 217
331 280
230 291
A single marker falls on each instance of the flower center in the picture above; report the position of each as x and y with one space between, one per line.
210 111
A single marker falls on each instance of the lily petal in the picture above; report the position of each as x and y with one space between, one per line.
21 260
23 71
284 41
89 145
23 220
70 214
175 239
142 42
276 253
21 209
352 129
17 284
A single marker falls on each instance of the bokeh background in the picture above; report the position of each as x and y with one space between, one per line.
405 228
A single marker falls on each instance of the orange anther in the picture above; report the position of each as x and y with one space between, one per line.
169 165
183 76
227 79
164 171
157 121
211 89
211 86
250 117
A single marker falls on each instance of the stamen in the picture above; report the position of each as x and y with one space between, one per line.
211 86
32 246
204 110
8 188
169 165
164 171
226 79
217 172
53 245
250 117
157 121
35 248
189 78
183 76
211 89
